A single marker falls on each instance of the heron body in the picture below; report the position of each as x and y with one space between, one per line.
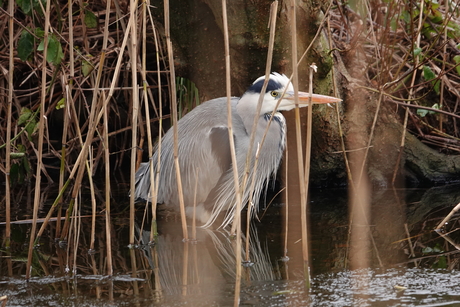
205 157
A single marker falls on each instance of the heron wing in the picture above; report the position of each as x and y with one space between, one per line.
220 147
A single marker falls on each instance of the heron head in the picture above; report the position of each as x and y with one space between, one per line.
280 89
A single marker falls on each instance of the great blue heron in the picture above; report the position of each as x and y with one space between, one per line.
204 151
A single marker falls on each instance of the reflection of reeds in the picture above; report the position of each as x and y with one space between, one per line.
184 267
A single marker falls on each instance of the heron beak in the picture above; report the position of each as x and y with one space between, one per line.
304 98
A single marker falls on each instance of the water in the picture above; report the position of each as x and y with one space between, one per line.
392 287
202 272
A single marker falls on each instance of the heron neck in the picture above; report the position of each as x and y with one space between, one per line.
247 110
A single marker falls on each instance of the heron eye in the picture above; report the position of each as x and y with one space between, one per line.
274 94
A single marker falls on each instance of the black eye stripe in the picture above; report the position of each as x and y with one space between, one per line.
271 86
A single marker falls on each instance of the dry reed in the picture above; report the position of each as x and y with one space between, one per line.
174 118
239 190
8 126
301 168
41 132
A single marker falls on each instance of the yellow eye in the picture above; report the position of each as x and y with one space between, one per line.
274 94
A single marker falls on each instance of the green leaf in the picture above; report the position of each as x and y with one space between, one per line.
417 51
24 117
86 67
41 46
437 18
422 112
453 31
28 6
55 54
436 86
427 250
457 63
428 74
17 155
39 32
405 16
90 19
31 128
25 6
394 24
437 249
60 104
441 263
25 45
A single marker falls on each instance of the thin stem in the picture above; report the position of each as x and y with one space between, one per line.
295 81
41 132
237 218
8 125
134 120
174 118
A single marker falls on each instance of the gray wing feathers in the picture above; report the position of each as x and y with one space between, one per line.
142 179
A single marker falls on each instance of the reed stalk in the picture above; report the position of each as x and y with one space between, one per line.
295 81
286 210
4 300
93 207
76 222
144 84
8 125
174 119
237 218
447 218
41 132
135 110
155 180
304 206
108 233
153 177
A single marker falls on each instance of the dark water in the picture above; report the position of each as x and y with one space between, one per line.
202 272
